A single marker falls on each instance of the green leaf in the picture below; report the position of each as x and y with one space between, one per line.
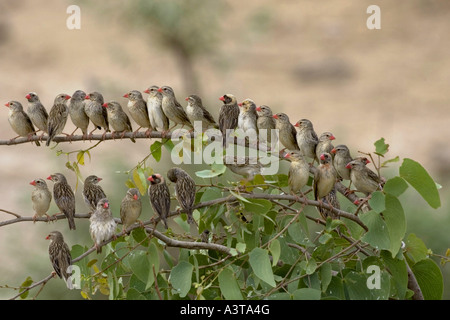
381 147
419 179
181 278
378 234
395 220
28 282
297 234
395 186
139 264
216 170
399 272
356 285
155 149
153 257
133 294
240 247
325 275
229 286
416 248
139 180
306 294
80 157
384 164
429 278
311 266
275 250
260 206
376 201
260 263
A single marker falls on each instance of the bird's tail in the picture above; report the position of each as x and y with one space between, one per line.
71 221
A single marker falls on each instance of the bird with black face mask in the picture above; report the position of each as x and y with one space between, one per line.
228 115
159 195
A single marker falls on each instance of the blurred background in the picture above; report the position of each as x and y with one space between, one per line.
308 59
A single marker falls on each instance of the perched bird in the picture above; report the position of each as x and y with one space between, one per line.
247 118
19 121
37 113
96 113
228 115
130 208
92 192
118 119
60 257
103 226
184 190
332 200
77 114
364 179
57 117
172 108
197 112
41 198
298 172
306 138
205 235
265 121
159 195
64 197
286 131
138 110
324 145
342 157
324 177
248 167
158 119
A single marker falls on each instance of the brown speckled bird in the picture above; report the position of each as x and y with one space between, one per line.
138 110
64 197
184 190
118 119
364 179
342 157
324 145
324 177
92 192
228 115
96 113
57 117
77 114
286 131
159 195
266 122
37 113
306 138
158 119
130 208
41 198
19 121
172 108
103 226
197 112
332 200
60 257
298 172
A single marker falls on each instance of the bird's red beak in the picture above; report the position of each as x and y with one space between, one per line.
150 178
275 116
222 98
258 108
160 90
240 104
187 98
67 97
135 197
49 177
47 237
297 125
7 104
333 151
33 183
106 205
348 166
87 97
99 179
332 138
126 95
367 161
28 96
356 202
147 90
105 105
287 155
322 157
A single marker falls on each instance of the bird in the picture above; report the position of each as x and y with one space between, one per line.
247 118
324 177
341 158
298 172
96 113
41 198
306 138
265 121
118 119
324 145
57 117
286 131
20 122
204 236
364 179
184 190
77 114
64 197
248 167
172 108
159 195
37 112
60 257
102 224
332 200
197 112
228 115
158 120
130 208
138 110
92 192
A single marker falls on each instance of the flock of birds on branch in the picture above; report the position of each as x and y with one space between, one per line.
335 163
